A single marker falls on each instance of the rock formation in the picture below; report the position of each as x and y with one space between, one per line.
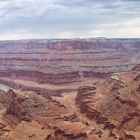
70 89
114 105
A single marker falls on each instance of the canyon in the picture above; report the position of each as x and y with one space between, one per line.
70 89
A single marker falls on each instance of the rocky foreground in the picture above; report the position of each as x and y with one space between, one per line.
107 110
26 116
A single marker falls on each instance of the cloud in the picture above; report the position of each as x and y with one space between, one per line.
131 1
63 18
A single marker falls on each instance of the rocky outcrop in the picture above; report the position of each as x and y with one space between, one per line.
7 97
38 116
24 106
69 134
18 109
86 104
113 104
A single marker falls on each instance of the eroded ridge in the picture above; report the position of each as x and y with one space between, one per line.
114 105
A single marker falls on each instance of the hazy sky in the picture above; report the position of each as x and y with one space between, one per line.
69 18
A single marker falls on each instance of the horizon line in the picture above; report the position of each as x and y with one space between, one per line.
73 38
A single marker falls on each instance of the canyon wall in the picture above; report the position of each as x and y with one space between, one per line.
114 105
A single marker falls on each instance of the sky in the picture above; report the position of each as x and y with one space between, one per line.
26 19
